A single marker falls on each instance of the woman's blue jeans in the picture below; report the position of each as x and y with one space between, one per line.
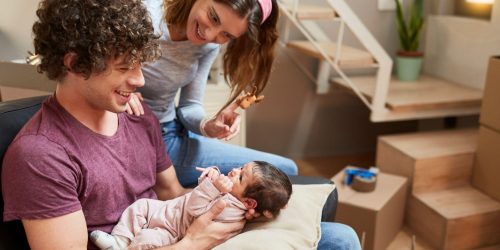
336 236
188 150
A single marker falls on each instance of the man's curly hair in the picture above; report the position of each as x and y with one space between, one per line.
94 31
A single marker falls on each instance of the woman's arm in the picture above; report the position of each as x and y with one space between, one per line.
64 232
190 109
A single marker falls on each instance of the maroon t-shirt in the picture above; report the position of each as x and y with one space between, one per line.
56 166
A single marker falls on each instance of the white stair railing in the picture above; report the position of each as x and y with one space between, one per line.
348 18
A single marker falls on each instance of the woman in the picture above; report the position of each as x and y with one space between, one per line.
191 33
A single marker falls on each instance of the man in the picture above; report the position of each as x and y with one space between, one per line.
80 161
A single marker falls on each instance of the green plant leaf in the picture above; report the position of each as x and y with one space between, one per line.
401 24
409 30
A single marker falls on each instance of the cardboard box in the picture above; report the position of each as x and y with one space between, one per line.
19 80
486 171
490 108
407 240
378 214
432 160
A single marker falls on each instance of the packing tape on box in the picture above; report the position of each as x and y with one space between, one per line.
351 172
364 184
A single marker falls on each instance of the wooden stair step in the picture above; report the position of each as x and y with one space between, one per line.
429 97
349 57
458 218
312 12
430 160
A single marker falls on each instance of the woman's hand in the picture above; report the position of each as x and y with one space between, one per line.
134 106
225 125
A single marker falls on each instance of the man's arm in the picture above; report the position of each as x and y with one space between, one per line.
167 185
204 233
64 232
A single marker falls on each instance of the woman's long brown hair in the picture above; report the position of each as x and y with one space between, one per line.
248 59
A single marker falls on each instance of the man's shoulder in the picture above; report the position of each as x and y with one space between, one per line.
40 122
38 133
31 145
31 129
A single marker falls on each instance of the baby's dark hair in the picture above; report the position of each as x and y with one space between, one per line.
271 189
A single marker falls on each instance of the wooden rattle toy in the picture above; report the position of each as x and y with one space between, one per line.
247 99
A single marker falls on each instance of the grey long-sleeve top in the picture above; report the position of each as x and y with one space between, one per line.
183 66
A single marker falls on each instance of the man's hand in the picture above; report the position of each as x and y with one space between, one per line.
223 184
204 233
252 215
225 125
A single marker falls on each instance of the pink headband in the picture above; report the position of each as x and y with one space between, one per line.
266 6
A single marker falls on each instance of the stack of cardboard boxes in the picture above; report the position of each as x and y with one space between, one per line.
486 171
443 209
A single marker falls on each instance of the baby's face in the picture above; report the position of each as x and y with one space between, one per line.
241 178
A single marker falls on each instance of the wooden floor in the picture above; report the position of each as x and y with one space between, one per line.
328 166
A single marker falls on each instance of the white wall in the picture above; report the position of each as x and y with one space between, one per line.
458 48
16 19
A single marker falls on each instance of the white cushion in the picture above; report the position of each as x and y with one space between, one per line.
297 226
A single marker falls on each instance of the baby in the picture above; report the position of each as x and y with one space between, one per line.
149 223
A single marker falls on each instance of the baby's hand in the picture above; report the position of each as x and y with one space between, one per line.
223 184
211 172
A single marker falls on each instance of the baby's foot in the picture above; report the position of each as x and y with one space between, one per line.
104 240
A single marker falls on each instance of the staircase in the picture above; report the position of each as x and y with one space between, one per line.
443 210
387 98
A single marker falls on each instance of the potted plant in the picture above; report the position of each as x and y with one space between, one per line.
409 58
